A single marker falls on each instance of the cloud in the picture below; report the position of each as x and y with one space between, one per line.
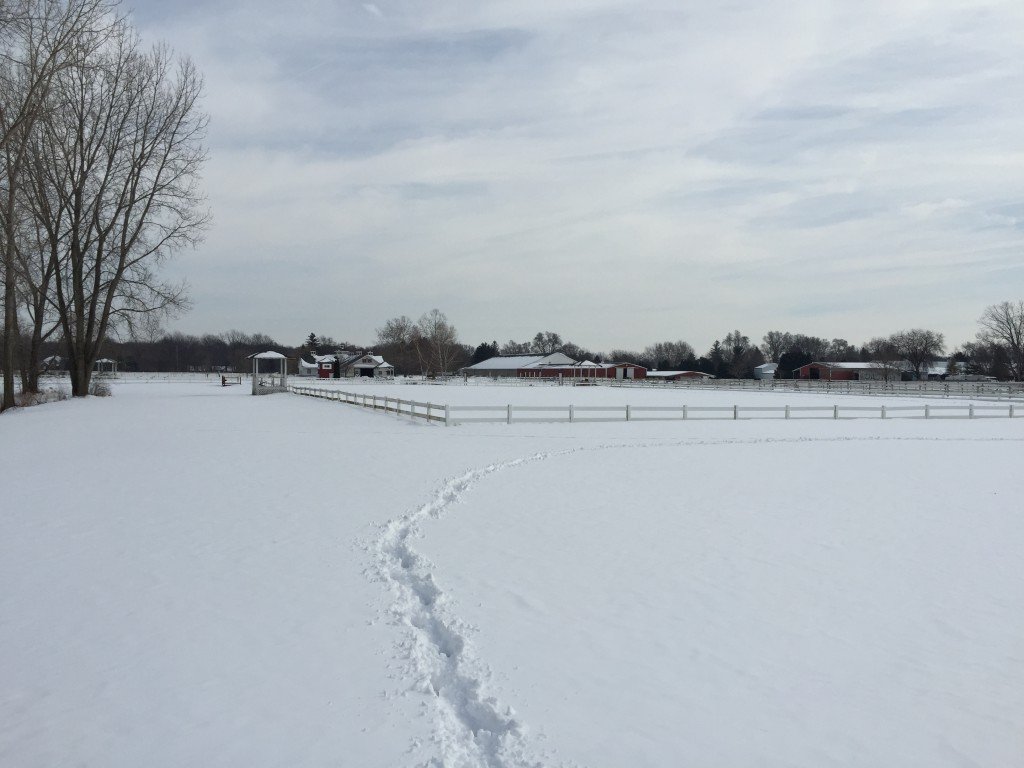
617 172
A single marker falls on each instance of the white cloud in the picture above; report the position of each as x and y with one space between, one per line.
618 172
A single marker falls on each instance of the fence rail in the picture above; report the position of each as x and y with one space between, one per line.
451 415
412 408
988 390
997 390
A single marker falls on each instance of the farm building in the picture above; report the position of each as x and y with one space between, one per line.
677 375
366 365
52 364
552 366
346 365
585 370
847 372
510 365
766 371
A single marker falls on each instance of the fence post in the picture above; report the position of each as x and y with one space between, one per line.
684 413
970 411
628 413
735 412
508 413
787 411
1011 410
883 411
571 414
927 411
447 415
835 411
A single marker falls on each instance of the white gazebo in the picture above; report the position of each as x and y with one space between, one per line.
105 365
269 373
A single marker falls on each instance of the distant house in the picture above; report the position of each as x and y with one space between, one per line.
327 366
52 364
847 372
372 366
940 369
344 364
677 375
766 371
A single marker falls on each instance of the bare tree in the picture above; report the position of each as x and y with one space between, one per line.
546 342
667 355
1003 325
39 39
885 356
395 342
36 259
123 147
576 352
397 330
623 356
437 342
775 343
512 347
841 351
918 347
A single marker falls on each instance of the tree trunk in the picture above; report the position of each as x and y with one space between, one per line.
22 357
10 337
80 370
31 364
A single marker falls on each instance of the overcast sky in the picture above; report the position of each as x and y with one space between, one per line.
618 172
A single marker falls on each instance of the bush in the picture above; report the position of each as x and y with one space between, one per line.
48 395
99 389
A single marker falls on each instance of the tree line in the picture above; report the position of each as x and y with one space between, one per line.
431 345
101 144
997 350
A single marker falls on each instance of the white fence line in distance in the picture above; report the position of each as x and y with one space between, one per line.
451 415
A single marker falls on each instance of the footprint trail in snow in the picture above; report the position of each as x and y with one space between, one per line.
472 729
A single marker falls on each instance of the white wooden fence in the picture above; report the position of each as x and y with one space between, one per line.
992 390
451 415
411 408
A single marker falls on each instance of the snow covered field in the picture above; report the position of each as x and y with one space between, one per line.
194 576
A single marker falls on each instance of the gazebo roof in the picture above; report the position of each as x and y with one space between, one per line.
268 356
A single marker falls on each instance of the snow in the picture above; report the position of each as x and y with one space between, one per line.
750 593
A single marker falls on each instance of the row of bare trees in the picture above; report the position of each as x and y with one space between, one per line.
101 153
428 346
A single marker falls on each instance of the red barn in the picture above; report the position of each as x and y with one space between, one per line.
585 370
844 372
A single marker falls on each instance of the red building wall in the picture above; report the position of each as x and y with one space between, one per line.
824 373
639 372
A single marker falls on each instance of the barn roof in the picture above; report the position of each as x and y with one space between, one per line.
514 362
850 366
